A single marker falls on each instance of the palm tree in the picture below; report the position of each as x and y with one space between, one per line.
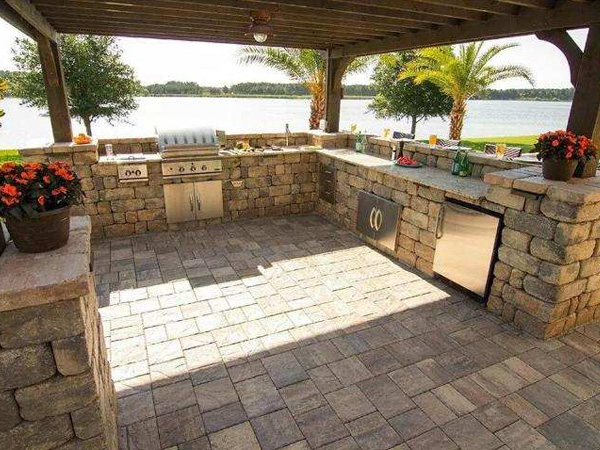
305 66
461 74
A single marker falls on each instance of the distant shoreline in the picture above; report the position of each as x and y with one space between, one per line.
347 97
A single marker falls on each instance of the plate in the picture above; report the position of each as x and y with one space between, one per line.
410 166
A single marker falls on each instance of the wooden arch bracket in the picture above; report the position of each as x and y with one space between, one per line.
565 43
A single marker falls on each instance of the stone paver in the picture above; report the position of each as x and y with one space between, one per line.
290 333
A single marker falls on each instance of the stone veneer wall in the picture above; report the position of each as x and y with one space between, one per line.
271 185
56 390
129 145
419 206
547 279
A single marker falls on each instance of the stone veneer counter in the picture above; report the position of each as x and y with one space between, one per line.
464 187
56 390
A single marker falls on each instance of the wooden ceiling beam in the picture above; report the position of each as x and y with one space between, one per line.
568 15
25 16
206 30
537 4
486 6
228 14
382 7
283 27
242 40
163 29
206 6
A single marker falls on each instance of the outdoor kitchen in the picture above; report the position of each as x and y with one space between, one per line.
527 245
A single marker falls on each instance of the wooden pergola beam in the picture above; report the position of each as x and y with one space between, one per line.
58 106
487 6
244 7
333 91
25 16
585 109
200 20
568 15
569 48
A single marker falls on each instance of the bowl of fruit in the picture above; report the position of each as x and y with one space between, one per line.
406 161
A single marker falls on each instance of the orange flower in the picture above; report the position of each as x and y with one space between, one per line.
59 190
32 166
46 179
64 174
10 190
10 201
7 167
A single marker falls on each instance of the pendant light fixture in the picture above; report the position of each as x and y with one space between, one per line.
260 28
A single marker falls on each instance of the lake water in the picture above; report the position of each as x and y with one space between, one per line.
24 126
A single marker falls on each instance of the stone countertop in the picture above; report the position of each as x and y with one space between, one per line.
29 279
142 158
469 188
531 181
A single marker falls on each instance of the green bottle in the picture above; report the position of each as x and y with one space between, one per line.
461 165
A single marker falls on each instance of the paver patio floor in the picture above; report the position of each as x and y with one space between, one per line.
292 333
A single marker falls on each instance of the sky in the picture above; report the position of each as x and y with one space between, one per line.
208 64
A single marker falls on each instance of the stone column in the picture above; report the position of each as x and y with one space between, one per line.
547 280
56 390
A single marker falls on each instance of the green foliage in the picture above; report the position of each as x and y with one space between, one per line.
99 84
9 155
547 95
526 143
306 66
403 98
463 73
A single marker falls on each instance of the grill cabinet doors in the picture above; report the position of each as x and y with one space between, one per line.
209 199
378 219
180 202
185 202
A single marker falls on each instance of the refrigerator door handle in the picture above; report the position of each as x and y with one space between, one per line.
439 227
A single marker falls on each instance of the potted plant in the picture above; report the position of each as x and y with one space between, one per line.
588 164
35 201
560 153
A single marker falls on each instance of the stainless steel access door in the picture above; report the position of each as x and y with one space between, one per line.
378 219
180 202
209 199
466 240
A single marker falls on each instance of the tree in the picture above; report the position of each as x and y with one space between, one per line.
3 89
303 65
402 98
461 74
99 84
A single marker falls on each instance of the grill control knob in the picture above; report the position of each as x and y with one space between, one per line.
193 168
182 169
204 168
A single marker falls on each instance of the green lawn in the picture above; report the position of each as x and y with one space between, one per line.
9 155
525 142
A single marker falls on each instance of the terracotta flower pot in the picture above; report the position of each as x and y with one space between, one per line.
587 169
561 170
49 231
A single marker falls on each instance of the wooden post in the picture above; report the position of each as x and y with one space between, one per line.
566 44
54 81
584 117
333 90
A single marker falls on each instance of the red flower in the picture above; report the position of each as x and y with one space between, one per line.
64 174
555 143
59 190
10 190
10 201
46 179
41 200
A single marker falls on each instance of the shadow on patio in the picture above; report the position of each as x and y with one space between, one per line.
292 333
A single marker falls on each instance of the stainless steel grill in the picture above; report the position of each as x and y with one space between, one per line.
201 141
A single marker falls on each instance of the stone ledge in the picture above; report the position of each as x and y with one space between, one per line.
529 180
36 279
